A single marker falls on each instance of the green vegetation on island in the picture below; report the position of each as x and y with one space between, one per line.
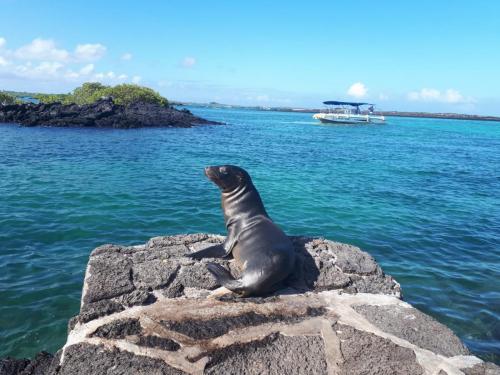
90 92
96 105
6 98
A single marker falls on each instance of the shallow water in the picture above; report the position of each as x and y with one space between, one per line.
421 195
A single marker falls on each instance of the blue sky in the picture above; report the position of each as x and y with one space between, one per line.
403 55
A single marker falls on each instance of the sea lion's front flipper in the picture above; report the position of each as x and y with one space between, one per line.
224 278
216 251
231 239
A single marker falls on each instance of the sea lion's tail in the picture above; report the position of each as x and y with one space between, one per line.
224 278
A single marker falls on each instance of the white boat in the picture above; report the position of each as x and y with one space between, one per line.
348 113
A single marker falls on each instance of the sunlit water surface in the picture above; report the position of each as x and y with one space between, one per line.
420 195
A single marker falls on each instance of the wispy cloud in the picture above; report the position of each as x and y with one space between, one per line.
357 90
89 52
195 90
110 77
433 95
87 69
127 56
46 70
41 49
188 62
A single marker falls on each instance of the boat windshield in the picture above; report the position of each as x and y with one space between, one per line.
334 106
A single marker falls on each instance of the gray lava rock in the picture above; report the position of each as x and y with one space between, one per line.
366 353
276 354
482 369
40 365
153 273
416 327
118 329
92 359
110 276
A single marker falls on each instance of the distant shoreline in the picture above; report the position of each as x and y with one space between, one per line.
446 116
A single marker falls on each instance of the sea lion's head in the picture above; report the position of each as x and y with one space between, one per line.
227 177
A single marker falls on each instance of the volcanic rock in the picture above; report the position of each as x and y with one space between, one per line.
104 113
148 309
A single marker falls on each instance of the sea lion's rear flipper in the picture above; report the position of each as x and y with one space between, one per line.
224 278
216 251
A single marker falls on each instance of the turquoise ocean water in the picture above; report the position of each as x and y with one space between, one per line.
421 195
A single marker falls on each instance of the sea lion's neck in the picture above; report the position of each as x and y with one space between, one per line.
242 204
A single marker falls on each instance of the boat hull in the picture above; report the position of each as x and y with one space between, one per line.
348 119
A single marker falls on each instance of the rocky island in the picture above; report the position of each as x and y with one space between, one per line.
103 113
149 309
96 105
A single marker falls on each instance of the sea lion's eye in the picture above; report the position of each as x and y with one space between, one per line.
223 170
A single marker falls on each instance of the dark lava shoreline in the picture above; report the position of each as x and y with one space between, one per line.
104 113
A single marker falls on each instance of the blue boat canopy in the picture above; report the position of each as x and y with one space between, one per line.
334 102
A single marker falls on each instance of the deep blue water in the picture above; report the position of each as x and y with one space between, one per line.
421 195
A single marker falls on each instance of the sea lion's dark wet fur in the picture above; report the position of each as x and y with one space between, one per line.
265 254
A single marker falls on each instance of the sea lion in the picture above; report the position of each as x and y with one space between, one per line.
262 250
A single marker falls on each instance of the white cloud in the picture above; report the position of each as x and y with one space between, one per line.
54 71
383 96
71 75
104 77
42 49
87 69
83 73
127 56
453 96
89 52
424 95
433 95
44 70
46 50
358 90
42 62
188 62
51 68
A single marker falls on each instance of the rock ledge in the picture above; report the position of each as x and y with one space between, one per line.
149 310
